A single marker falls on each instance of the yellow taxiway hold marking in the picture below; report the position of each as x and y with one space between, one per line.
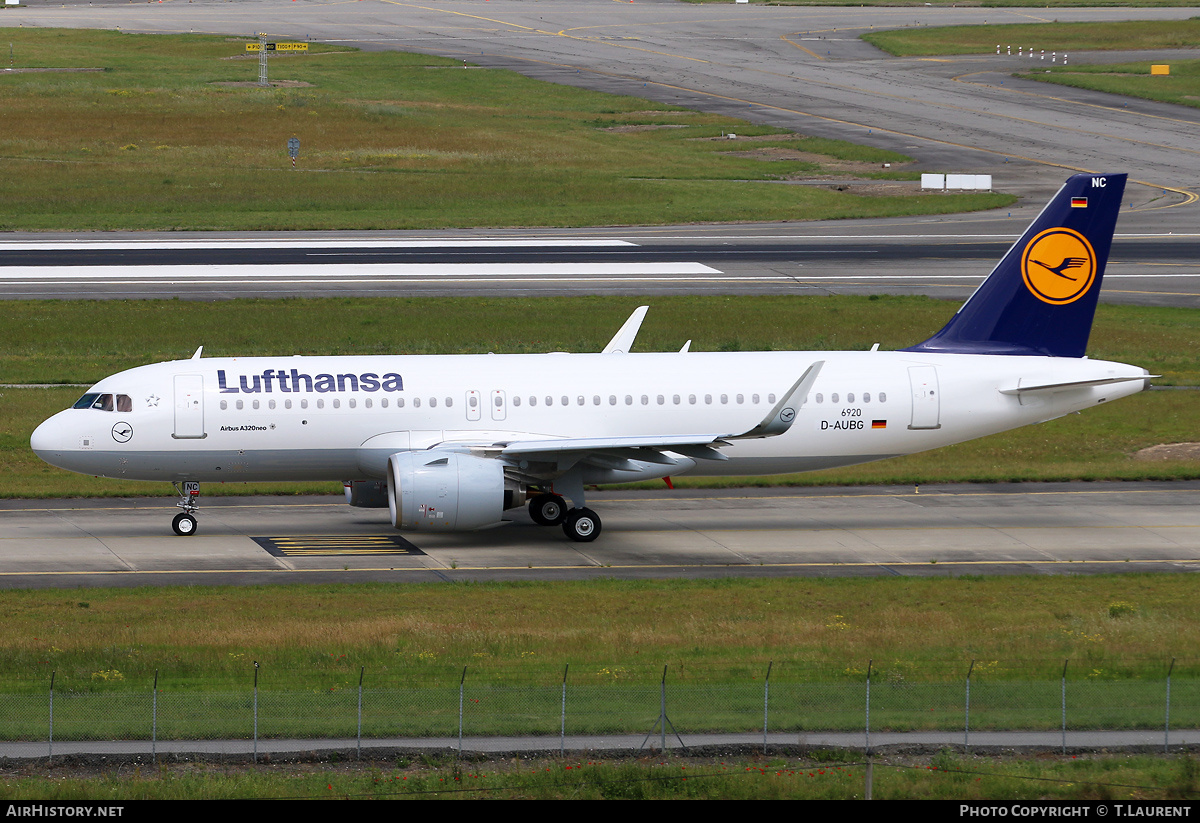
788 40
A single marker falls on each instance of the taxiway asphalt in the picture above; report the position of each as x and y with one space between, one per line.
937 531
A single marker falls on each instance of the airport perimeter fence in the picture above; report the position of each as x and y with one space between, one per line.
659 704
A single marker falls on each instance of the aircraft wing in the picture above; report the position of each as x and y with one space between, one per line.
650 448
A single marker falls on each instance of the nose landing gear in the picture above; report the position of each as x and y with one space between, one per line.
184 523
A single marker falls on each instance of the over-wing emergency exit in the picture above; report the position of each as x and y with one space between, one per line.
457 442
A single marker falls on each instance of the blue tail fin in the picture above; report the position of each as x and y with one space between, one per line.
1041 298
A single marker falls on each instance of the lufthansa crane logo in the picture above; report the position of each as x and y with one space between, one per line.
1059 266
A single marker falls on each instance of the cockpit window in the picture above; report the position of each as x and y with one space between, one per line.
105 402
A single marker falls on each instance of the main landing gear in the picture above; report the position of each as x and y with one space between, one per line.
581 525
184 523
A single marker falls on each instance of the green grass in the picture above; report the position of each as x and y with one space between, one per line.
165 139
1060 37
511 643
315 638
81 341
1181 86
74 342
822 775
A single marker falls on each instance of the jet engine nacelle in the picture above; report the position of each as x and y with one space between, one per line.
366 494
444 491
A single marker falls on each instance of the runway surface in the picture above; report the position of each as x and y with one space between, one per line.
1145 269
1069 528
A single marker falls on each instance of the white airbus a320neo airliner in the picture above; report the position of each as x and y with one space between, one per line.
454 442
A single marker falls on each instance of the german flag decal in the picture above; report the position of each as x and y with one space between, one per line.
879 424
1079 202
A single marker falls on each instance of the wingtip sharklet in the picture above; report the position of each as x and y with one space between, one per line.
781 417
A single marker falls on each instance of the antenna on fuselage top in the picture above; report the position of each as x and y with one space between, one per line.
196 356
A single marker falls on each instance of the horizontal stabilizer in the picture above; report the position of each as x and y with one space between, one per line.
1075 384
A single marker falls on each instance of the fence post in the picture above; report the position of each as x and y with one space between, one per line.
562 731
361 670
662 711
255 711
1064 706
461 681
154 721
1167 721
868 718
766 702
50 741
967 721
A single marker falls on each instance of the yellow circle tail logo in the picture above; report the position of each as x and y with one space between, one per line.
1059 266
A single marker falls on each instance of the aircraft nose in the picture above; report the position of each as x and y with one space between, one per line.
47 438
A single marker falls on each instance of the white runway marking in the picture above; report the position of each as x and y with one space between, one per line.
306 243
327 273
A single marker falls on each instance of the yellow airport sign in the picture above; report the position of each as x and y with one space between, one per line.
1160 69
277 46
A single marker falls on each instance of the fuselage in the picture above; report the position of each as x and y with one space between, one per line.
339 418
